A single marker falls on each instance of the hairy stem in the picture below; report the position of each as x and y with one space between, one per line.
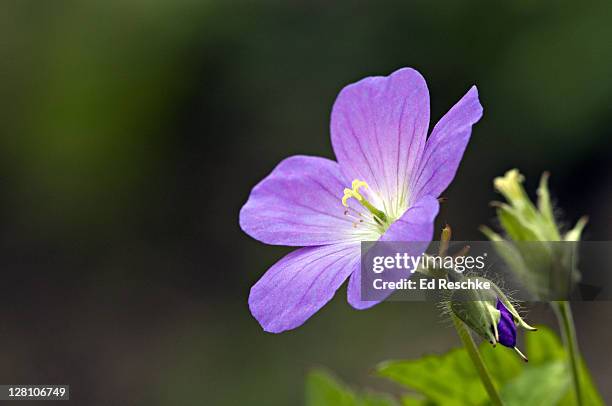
472 350
566 322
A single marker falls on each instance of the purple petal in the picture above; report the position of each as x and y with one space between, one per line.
416 224
506 327
300 284
446 145
298 204
378 131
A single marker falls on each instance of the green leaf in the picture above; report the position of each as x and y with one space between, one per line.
590 394
450 379
322 389
502 362
544 346
371 399
538 385
413 401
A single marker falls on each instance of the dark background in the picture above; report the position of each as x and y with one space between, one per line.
132 132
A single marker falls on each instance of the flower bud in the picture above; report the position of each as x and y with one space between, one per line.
505 327
489 313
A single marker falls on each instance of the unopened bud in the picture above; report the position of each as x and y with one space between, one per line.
489 313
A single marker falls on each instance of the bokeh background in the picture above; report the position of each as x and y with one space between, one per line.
132 132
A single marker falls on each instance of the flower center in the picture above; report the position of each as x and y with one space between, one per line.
380 218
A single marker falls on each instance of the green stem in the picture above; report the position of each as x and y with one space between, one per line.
566 322
472 350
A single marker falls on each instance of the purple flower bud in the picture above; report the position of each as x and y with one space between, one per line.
506 326
490 314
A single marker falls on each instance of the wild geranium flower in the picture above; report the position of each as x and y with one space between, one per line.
383 187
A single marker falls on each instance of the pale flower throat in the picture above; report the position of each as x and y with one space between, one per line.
374 220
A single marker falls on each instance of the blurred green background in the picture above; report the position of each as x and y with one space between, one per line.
132 132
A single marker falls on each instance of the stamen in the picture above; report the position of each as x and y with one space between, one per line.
351 211
358 218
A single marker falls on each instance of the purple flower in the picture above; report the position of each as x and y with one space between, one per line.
383 187
506 327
